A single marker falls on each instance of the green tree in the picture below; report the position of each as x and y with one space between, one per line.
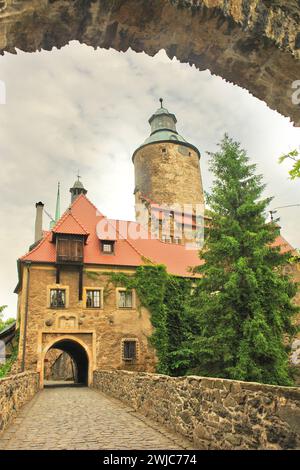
294 156
4 323
177 293
243 303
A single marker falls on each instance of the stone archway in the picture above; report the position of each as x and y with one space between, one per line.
79 353
254 44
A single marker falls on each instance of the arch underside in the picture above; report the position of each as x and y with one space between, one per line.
78 355
254 44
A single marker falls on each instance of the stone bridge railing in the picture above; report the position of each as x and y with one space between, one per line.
15 391
213 413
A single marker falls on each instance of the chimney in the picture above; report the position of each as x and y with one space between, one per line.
38 229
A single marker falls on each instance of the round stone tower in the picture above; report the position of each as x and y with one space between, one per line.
167 167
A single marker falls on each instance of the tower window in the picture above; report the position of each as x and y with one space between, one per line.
164 150
107 247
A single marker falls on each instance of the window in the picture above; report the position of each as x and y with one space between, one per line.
93 298
107 247
57 298
129 350
69 249
125 299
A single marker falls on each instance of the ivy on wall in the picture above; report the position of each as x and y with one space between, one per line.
166 297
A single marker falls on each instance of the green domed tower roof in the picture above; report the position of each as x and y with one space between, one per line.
163 129
77 189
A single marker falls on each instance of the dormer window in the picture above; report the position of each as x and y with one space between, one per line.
69 249
107 247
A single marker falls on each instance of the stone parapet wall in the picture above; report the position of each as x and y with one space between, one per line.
15 391
213 413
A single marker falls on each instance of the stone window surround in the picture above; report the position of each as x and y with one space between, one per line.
84 296
122 289
67 296
137 349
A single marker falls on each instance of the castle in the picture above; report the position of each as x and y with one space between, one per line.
66 299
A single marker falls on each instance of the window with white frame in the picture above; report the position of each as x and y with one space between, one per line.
107 246
93 298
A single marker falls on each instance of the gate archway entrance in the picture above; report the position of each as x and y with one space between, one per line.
79 355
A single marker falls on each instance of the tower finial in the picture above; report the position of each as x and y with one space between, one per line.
77 188
161 102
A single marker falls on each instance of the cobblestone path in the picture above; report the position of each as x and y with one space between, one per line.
83 418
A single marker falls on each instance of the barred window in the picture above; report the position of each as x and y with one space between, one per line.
93 298
129 350
125 299
57 298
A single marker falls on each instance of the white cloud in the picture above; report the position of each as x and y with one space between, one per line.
86 109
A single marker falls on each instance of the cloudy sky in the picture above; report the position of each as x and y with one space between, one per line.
78 108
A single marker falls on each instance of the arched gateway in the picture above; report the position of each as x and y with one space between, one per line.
79 354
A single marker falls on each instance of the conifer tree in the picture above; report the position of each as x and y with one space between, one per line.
242 308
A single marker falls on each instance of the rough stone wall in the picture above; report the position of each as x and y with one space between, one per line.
214 413
100 330
166 176
254 44
59 366
15 391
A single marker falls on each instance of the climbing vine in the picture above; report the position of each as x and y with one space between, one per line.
165 296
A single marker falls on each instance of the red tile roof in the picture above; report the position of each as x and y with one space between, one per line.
70 225
84 218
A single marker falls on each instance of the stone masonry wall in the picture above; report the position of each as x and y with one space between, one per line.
109 325
181 174
15 391
214 413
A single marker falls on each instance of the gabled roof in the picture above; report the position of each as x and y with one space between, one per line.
84 218
285 247
130 250
68 224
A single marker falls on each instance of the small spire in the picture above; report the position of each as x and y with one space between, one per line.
57 209
161 102
78 176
